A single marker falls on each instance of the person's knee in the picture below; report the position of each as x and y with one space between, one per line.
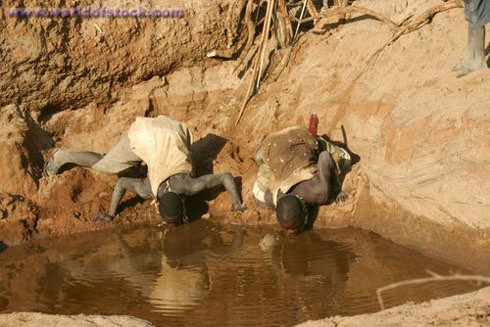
227 179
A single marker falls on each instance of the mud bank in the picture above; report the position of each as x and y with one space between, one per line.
51 64
471 309
40 319
421 133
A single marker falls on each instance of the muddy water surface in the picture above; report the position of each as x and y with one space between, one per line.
209 275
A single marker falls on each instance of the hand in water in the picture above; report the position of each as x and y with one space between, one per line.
101 216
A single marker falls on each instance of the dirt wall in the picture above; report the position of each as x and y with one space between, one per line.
53 64
50 64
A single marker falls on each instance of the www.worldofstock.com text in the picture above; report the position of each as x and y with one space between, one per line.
102 12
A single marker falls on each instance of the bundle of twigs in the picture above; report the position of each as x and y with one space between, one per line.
279 21
276 8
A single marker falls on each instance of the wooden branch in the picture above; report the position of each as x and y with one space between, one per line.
283 24
251 33
435 277
412 25
301 15
257 59
305 3
267 26
310 6
344 4
351 9
303 9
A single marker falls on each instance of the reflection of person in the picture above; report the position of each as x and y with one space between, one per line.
477 13
320 266
171 273
165 146
184 277
298 172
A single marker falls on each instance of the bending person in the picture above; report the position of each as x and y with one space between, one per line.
165 146
298 172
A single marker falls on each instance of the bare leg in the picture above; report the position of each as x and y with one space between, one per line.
474 58
61 158
119 159
187 185
318 189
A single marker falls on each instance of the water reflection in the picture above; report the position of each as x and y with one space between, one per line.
183 280
207 274
170 271
313 271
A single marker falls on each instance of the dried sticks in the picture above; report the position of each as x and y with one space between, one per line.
349 10
258 60
435 277
412 25
277 14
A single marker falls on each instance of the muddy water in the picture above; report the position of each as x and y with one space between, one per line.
209 275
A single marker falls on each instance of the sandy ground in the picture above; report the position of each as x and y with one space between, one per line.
31 319
471 309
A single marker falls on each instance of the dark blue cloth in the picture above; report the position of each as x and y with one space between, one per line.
477 12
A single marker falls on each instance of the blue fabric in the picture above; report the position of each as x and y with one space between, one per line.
477 12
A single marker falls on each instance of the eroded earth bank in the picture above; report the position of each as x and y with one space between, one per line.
421 133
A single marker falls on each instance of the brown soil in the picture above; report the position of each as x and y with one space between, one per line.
471 309
421 133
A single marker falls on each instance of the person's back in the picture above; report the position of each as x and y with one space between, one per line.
297 173
286 158
164 145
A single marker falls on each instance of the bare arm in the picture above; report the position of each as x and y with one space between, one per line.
187 185
317 189
139 186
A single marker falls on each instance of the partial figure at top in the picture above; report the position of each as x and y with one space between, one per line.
477 13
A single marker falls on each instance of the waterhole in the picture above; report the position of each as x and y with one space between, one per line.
212 275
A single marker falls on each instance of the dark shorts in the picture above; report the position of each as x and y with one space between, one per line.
477 12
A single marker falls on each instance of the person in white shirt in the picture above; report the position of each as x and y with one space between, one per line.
165 146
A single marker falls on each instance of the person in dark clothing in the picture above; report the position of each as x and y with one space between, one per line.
477 13
298 172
